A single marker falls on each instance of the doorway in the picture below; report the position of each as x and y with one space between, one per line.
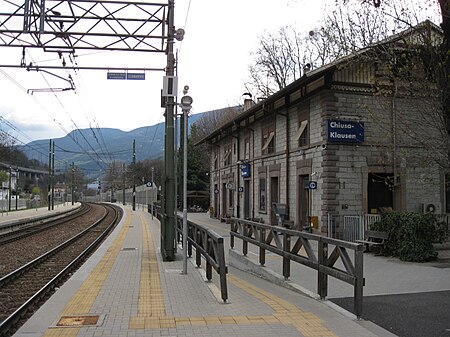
303 201
274 198
379 192
247 199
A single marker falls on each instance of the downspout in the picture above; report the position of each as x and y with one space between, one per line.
287 155
394 140
238 205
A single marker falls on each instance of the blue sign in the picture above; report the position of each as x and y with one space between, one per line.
135 76
245 170
312 185
345 131
116 76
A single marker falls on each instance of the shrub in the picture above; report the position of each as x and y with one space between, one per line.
411 235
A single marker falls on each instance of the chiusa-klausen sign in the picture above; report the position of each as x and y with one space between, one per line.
345 131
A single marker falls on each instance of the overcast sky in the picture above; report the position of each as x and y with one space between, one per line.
213 61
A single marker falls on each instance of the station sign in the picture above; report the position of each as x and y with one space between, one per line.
245 170
125 76
345 131
136 76
116 76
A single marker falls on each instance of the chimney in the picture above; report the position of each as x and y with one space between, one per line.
248 103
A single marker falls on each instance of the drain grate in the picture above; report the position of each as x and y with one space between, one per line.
128 249
78 320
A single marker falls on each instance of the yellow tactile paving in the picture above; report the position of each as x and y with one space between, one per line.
151 306
153 314
82 301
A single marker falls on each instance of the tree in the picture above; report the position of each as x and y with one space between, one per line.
443 58
286 55
212 120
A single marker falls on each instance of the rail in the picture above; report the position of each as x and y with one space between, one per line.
208 244
279 240
7 324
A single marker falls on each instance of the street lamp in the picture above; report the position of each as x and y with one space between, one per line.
186 104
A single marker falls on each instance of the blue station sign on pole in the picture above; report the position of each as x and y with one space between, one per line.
125 76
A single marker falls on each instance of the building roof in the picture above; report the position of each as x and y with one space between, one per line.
311 76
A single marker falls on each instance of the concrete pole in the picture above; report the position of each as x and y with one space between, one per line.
17 186
53 175
73 183
123 184
49 175
153 186
9 190
134 174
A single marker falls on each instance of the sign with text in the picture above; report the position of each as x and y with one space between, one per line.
136 76
116 76
125 76
245 170
345 131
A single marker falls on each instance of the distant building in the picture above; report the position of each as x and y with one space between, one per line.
341 140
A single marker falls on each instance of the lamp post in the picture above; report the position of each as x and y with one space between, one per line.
186 104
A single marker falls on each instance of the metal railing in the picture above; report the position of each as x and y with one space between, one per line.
208 244
350 227
288 243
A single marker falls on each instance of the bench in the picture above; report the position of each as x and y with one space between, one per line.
376 239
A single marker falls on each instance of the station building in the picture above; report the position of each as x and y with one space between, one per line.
349 138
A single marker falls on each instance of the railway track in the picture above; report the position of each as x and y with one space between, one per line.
23 289
22 228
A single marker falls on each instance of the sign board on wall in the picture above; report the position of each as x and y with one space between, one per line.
345 131
245 170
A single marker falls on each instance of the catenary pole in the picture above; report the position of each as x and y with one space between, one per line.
53 175
49 175
134 174
168 216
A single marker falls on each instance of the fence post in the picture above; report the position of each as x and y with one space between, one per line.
286 260
198 254
208 249
359 282
322 278
262 251
222 270
244 242
233 226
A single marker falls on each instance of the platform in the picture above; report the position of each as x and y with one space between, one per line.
125 289
10 216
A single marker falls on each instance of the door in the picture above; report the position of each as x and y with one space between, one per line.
223 211
274 198
216 201
247 199
302 201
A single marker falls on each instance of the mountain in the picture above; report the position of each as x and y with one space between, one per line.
93 149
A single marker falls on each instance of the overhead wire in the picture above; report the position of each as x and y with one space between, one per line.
75 124
57 122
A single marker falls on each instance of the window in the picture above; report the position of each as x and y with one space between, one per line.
262 195
268 139
447 193
216 161
227 155
302 134
230 198
247 148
